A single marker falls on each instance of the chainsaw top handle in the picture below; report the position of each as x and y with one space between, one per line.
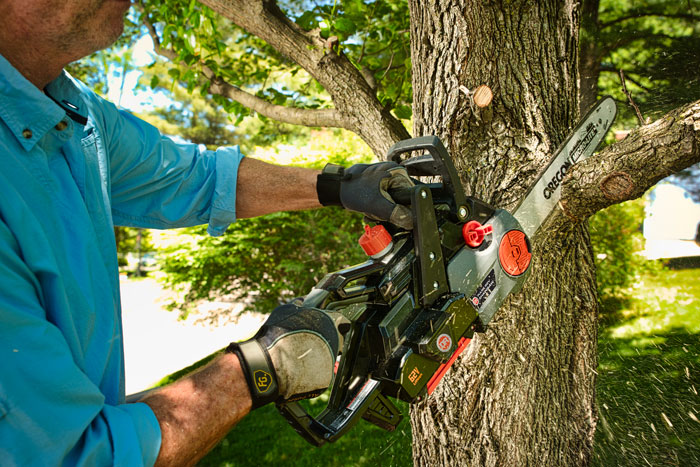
436 162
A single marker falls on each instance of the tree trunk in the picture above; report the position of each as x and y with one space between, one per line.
523 393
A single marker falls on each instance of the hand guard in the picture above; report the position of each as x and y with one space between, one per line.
365 188
292 356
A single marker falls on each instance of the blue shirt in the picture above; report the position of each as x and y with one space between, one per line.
71 167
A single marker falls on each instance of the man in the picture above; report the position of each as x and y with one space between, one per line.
73 166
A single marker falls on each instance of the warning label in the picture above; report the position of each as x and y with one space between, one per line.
484 291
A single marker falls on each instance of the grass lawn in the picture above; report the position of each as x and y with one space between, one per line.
649 375
648 402
266 439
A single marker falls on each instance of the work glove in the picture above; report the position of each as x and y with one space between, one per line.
365 188
293 355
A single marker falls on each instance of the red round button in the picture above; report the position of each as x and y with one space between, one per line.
514 253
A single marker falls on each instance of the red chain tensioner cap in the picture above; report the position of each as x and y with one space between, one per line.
514 252
474 233
376 241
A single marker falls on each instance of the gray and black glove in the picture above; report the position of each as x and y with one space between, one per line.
292 356
365 188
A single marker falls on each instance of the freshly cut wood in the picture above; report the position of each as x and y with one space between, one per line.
482 96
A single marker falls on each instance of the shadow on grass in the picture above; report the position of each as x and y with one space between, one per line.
689 262
648 402
610 309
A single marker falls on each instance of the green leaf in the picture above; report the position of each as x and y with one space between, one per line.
155 81
345 26
205 88
189 58
403 112
307 20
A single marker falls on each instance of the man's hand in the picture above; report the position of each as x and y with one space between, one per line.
293 354
365 188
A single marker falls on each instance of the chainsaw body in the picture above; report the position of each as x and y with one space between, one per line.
414 307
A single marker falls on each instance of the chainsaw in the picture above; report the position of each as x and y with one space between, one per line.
414 306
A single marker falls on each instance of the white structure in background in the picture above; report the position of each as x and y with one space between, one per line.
671 223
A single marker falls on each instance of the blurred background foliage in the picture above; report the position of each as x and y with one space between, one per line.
617 240
267 260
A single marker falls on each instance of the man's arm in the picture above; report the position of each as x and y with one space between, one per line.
290 358
263 188
156 183
197 411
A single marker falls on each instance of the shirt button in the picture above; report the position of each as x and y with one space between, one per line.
27 133
62 125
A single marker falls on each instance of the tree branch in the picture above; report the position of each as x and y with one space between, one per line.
281 113
352 95
631 37
629 97
611 69
626 170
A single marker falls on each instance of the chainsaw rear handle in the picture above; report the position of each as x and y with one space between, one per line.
437 163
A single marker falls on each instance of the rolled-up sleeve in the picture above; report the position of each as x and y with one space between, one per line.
51 413
156 182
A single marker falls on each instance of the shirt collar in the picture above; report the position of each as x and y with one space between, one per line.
29 113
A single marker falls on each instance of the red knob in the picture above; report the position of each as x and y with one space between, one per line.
474 233
376 241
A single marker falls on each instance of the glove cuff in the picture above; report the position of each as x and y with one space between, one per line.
258 371
328 185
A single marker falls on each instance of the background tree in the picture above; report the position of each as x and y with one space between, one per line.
524 391
195 117
655 42
657 46
132 241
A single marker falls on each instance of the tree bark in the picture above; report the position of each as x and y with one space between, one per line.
523 393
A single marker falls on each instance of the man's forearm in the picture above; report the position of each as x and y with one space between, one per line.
263 188
197 411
